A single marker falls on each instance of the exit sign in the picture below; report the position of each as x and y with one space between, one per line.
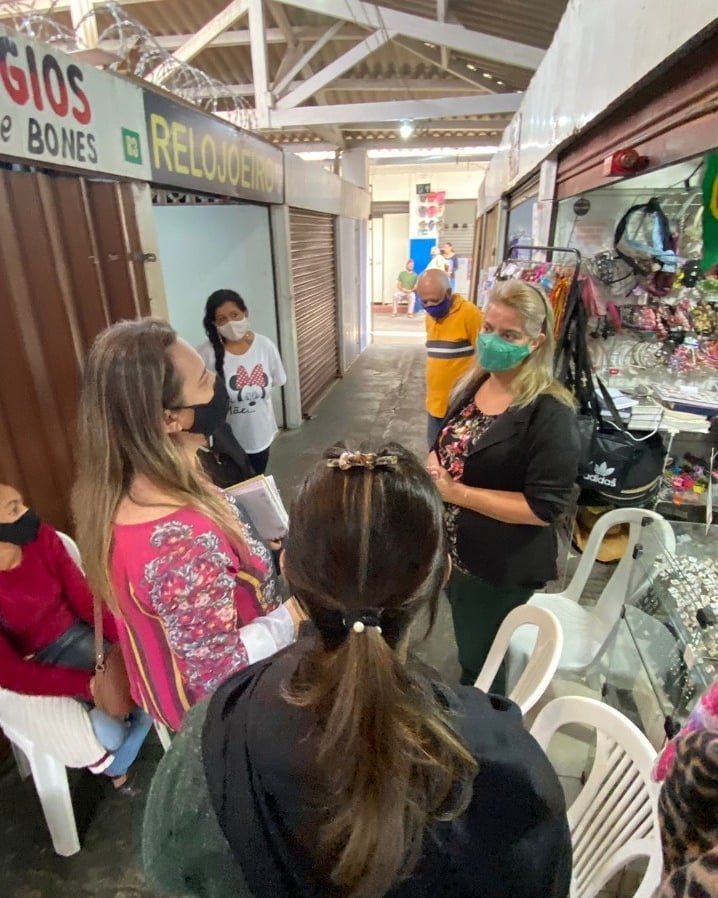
423 189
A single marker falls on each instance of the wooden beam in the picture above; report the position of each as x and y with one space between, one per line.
84 22
455 37
210 30
345 62
329 35
259 62
240 38
44 6
396 110
370 85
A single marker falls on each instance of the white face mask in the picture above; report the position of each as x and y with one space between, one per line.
234 330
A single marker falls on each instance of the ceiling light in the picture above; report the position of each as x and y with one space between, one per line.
427 44
406 130
488 75
470 66
501 83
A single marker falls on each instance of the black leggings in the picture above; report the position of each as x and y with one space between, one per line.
259 460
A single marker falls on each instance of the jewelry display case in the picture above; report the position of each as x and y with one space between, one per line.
665 650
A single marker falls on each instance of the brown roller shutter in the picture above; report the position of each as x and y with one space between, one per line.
314 279
68 267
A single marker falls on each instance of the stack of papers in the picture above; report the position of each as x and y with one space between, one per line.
260 498
690 400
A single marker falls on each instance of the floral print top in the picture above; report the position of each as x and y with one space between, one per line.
457 438
191 611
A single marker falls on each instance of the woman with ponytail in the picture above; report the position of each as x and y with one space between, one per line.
337 768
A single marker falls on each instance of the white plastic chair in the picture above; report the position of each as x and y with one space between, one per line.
542 663
588 630
163 734
50 778
614 819
71 547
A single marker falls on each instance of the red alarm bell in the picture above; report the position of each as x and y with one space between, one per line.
624 162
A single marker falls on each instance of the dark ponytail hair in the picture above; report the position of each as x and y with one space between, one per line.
367 542
217 299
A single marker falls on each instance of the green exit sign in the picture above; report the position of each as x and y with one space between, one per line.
423 189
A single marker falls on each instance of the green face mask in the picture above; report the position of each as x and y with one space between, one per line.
497 354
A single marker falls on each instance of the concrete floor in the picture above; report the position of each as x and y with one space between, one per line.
380 399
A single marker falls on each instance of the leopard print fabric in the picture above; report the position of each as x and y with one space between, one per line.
688 813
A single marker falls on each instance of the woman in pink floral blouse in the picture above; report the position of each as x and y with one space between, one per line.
194 588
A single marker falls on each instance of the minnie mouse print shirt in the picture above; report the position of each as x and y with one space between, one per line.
250 379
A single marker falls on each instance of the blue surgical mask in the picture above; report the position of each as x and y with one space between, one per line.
497 354
441 310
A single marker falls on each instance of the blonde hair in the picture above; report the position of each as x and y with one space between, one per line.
128 382
535 375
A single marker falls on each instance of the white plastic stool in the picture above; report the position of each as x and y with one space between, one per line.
50 778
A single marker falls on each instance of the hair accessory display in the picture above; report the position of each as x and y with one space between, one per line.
359 621
368 460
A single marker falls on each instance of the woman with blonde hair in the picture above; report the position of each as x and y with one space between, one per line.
192 585
337 768
505 462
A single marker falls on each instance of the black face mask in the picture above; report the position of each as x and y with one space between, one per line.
22 531
209 415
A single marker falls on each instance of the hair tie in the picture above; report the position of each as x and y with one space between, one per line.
368 460
359 621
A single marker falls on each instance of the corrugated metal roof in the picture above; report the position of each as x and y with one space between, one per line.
403 62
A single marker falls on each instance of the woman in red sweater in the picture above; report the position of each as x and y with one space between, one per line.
46 635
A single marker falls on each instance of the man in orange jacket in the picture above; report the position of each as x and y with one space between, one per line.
452 328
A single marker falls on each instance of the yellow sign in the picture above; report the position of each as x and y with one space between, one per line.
200 152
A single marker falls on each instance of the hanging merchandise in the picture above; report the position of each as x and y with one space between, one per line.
645 242
620 467
710 212
558 279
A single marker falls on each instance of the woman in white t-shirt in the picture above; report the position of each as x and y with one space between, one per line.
251 367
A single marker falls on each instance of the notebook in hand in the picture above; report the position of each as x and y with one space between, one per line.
260 498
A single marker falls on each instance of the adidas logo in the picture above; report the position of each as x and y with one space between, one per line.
601 474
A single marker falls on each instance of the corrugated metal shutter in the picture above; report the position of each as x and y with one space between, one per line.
70 265
314 277
527 191
397 207
458 226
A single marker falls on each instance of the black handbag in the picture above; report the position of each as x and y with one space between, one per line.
622 468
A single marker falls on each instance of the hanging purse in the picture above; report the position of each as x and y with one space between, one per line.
624 469
111 687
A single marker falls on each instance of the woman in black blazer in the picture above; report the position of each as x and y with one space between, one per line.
505 462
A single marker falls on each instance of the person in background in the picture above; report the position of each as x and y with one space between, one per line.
405 283
452 327
336 767
251 368
46 628
192 585
452 263
505 461
437 261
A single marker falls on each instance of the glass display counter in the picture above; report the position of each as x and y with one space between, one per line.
665 651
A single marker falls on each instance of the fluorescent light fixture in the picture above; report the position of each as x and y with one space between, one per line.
488 75
419 152
470 66
406 130
427 44
501 83
316 155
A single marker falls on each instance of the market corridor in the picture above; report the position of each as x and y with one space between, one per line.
379 399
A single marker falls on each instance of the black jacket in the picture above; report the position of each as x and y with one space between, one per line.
533 450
